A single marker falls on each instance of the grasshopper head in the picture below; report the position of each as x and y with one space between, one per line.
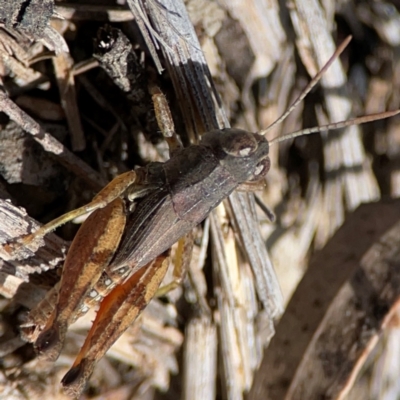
243 154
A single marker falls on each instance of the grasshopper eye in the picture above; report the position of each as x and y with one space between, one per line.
258 170
261 169
238 143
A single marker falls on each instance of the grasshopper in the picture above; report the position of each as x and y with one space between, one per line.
120 253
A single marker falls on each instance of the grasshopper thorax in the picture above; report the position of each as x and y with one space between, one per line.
242 153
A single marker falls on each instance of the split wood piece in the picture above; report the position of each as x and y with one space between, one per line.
32 18
50 144
63 64
92 12
14 222
200 366
202 111
334 318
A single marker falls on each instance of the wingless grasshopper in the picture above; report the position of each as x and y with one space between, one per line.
120 253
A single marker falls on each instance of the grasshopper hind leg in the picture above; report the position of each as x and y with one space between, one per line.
90 253
50 343
116 313
115 189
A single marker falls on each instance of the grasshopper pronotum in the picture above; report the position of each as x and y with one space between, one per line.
119 253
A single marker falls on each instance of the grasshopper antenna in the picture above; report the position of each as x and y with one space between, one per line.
335 125
310 85
332 126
